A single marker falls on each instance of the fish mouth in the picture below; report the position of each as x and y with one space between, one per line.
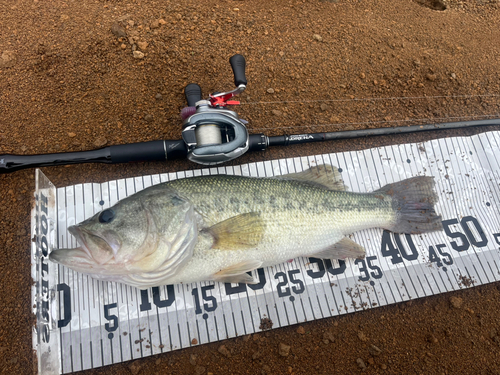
93 250
76 258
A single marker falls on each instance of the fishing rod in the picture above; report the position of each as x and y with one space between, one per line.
211 134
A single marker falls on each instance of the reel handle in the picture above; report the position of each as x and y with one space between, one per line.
238 65
193 94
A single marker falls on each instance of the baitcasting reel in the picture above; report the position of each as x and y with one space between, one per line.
213 134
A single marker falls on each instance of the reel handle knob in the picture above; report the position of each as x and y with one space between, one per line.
193 94
238 65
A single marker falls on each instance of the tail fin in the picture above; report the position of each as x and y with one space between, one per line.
413 200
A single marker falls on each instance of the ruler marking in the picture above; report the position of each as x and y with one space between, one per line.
250 310
474 197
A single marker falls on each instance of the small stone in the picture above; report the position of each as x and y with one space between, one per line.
131 23
301 330
362 336
370 361
284 349
158 96
453 75
328 337
142 45
123 46
118 31
362 75
135 367
194 342
7 59
277 112
199 370
256 355
431 77
432 339
161 21
192 359
374 350
361 363
270 91
71 134
148 118
456 302
324 107
100 141
123 18
138 55
383 366
224 351
317 37
343 86
154 25
493 333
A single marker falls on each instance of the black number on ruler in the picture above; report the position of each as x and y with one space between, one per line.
483 241
398 253
298 284
321 268
376 272
111 317
297 287
212 302
335 270
66 305
433 257
146 305
241 288
262 280
329 266
284 282
467 238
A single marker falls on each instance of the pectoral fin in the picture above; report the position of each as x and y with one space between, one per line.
239 232
238 272
345 248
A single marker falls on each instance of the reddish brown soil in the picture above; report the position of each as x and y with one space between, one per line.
67 83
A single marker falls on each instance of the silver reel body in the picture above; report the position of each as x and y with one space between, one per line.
214 135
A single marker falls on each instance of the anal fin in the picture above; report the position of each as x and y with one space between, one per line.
345 248
238 273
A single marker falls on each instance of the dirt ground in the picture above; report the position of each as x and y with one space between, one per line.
68 83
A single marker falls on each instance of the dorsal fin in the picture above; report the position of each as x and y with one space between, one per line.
323 175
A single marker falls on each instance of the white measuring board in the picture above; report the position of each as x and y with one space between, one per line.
84 323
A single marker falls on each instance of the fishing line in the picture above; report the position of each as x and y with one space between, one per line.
423 120
394 98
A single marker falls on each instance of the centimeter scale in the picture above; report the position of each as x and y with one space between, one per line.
83 323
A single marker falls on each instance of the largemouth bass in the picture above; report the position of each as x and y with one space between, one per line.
220 227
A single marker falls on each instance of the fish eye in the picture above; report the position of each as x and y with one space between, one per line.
106 216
